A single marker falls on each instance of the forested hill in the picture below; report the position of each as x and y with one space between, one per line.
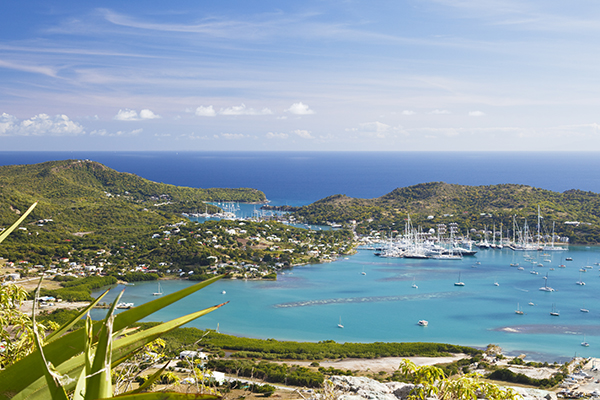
83 195
470 206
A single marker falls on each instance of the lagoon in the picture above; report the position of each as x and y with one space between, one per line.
307 302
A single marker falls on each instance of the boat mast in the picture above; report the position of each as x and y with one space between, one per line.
538 228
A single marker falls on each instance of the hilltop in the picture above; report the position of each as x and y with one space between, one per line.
473 207
83 195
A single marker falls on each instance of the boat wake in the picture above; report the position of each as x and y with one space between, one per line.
373 299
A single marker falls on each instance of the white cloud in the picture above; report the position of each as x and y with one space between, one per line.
243 110
375 129
127 115
303 134
29 68
7 123
147 114
203 111
440 112
104 132
378 130
274 135
408 112
132 115
476 113
39 125
231 136
300 109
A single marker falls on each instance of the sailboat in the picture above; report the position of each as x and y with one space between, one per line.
518 311
554 311
363 271
459 283
158 292
414 285
340 324
584 343
546 288
496 282
580 282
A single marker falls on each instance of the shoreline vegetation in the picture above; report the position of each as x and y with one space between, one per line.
308 364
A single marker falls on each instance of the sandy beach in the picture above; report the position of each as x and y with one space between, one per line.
387 364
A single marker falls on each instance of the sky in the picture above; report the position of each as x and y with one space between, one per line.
315 75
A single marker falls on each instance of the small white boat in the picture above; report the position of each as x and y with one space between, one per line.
531 303
554 312
584 343
459 283
546 288
340 324
223 292
423 322
584 310
518 311
414 285
158 292
124 306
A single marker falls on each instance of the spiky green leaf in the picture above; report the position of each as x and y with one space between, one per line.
99 385
23 373
122 348
63 329
7 232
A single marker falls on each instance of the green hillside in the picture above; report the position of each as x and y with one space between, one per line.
473 207
82 195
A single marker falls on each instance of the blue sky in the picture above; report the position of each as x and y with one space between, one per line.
313 75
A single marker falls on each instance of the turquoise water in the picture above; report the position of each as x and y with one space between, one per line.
306 303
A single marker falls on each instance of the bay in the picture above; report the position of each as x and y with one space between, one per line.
307 302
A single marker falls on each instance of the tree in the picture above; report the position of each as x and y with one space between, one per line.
430 381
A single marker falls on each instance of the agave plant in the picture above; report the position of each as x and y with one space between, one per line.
81 361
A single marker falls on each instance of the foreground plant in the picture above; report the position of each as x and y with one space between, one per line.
430 382
81 361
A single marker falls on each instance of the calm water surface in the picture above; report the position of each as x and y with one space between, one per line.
306 303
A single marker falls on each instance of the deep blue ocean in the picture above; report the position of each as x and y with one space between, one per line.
306 303
297 178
